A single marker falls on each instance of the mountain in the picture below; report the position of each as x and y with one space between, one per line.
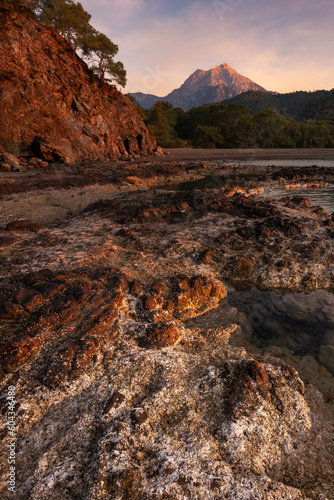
318 105
146 100
51 103
203 87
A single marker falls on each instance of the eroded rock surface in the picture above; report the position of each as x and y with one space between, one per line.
133 380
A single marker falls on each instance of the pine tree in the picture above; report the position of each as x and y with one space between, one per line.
99 51
73 23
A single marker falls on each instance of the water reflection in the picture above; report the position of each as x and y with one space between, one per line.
323 197
301 323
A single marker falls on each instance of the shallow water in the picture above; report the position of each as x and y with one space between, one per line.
326 162
302 323
323 197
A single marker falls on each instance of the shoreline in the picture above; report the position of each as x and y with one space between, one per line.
188 154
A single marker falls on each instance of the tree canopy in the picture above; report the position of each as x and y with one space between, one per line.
100 52
73 23
234 126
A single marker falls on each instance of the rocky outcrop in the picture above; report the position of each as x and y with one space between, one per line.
134 369
51 104
204 87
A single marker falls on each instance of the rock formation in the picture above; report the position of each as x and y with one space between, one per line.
53 106
204 87
135 378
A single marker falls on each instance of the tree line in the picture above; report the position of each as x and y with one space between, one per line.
300 105
72 21
233 126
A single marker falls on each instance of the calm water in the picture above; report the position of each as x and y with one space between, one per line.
302 323
326 162
323 197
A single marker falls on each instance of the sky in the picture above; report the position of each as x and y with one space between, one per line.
282 45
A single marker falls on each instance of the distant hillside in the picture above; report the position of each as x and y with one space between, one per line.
318 105
204 87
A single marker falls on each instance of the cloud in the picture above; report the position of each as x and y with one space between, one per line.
283 46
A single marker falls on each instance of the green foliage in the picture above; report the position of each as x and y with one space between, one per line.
99 50
73 23
318 105
318 135
208 137
161 122
233 126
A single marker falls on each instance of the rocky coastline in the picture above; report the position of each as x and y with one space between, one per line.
136 376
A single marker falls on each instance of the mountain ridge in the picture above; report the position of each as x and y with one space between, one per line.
203 87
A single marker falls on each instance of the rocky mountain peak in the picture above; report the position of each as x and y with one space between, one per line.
205 87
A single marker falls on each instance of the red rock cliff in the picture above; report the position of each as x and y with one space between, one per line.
50 103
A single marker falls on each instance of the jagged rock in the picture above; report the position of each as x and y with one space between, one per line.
5 167
161 335
11 160
70 116
120 401
198 295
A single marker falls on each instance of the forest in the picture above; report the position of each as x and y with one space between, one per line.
236 125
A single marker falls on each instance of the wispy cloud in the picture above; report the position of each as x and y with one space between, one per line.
283 46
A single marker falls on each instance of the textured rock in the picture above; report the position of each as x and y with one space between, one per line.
125 387
198 295
162 335
53 106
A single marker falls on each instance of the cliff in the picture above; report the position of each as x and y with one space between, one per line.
51 104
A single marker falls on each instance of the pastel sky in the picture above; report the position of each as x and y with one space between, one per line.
283 45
